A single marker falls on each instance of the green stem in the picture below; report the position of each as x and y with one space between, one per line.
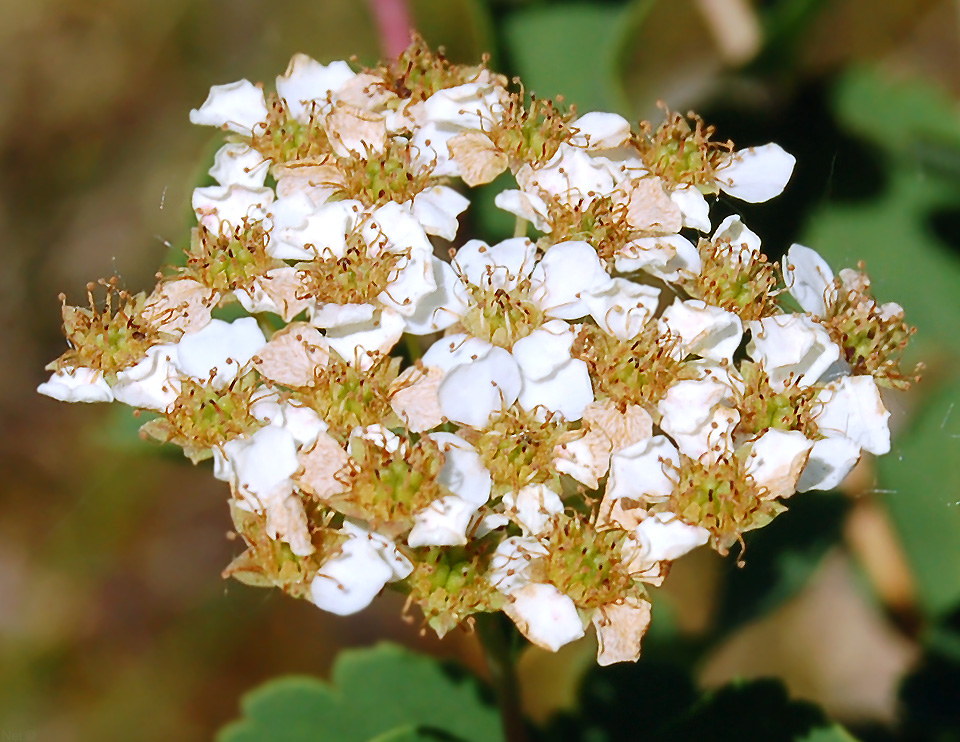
520 227
494 638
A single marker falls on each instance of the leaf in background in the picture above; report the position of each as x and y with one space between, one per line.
573 50
928 696
909 264
922 478
462 27
755 710
909 118
384 693
780 559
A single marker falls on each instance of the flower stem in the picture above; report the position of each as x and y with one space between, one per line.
494 637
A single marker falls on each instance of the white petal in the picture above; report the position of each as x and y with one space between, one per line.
238 164
623 307
444 306
565 276
239 106
689 403
533 507
544 615
545 350
470 393
809 279
853 408
77 385
454 350
224 208
693 207
358 344
567 391
831 459
598 130
463 472
412 281
668 257
443 522
350 581
791 347
704 330
743 240
665 537
222 346
640 471
527 206
306 80
437 209
776 460
431 152
499 266
510 563
757 174
154 383
264 461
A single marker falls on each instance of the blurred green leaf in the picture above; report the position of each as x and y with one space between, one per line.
573 50
759 710
462 27
384 693
908 263
923 483
781 558
909 118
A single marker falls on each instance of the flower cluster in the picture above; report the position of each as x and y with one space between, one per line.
538 426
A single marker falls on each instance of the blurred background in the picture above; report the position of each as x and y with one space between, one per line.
114 621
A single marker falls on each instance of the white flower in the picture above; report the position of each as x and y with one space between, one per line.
220 350
307 82
668 257
792 349
533 507
238 164
639 472
153 383
77 385
598 130
238 106
776 459
664 537
225 208
704 330
445 521
756 174
262 467
349 581
809 279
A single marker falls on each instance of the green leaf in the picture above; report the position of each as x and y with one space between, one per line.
781 558
905 116
462 27
384 693
922 481
573 50
909 264
758 710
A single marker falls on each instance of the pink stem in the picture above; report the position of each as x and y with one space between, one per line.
395 25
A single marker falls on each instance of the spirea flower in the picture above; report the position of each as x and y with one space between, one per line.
538 426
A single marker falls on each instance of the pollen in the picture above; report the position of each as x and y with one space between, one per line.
204 417
229 260
109 337
682 154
